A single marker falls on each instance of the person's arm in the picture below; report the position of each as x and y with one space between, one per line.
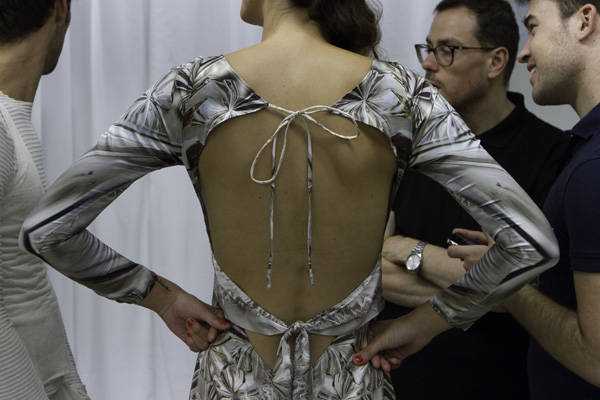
572 337
405 288
437 268
400 286
191 320
447 151
147 138
409 289
444 149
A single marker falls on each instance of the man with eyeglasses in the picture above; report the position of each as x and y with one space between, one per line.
469 56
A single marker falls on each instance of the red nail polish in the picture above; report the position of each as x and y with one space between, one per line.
188 334
358 359
189 323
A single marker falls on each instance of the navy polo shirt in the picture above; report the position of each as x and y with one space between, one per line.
573 209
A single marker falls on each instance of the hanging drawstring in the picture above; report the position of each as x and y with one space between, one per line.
306 115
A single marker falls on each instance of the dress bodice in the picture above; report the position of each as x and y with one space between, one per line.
169 125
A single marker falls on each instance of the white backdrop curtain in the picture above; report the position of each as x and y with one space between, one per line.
116 49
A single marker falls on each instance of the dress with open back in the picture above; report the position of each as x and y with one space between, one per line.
170 124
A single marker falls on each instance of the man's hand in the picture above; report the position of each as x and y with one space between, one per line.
397 339
470 254
191 320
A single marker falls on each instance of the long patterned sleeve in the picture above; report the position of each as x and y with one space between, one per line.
444 149
145 139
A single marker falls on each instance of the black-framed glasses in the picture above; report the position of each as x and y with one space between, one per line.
444 53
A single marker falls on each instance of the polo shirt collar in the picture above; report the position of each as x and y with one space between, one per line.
589 125
502 134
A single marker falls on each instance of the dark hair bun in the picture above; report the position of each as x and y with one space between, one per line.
350 24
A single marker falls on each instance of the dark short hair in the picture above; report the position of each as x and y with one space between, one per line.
19 18
496 25
570 7
350 24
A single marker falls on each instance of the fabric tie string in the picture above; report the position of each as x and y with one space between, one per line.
299 369
276 162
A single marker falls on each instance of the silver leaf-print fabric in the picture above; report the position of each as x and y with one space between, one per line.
169 126
296 376
231 369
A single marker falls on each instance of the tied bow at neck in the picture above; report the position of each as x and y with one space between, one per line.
306 116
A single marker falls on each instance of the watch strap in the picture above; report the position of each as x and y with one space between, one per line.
418 252
419 247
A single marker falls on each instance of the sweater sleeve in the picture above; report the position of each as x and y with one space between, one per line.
7 161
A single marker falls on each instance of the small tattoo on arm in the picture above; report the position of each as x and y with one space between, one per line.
164 285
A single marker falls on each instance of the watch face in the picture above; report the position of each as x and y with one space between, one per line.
413 262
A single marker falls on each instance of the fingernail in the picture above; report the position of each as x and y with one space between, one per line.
188 334
358 359
190 322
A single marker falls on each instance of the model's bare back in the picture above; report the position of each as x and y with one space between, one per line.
351 184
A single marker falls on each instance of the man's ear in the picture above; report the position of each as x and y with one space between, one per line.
585 21
62 11
497 62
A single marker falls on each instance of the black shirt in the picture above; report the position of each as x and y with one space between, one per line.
572 208
489 360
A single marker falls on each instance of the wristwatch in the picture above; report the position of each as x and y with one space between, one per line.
415 258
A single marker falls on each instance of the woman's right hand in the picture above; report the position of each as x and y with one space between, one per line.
193 321
196 323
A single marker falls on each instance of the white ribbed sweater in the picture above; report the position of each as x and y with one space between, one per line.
34 353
